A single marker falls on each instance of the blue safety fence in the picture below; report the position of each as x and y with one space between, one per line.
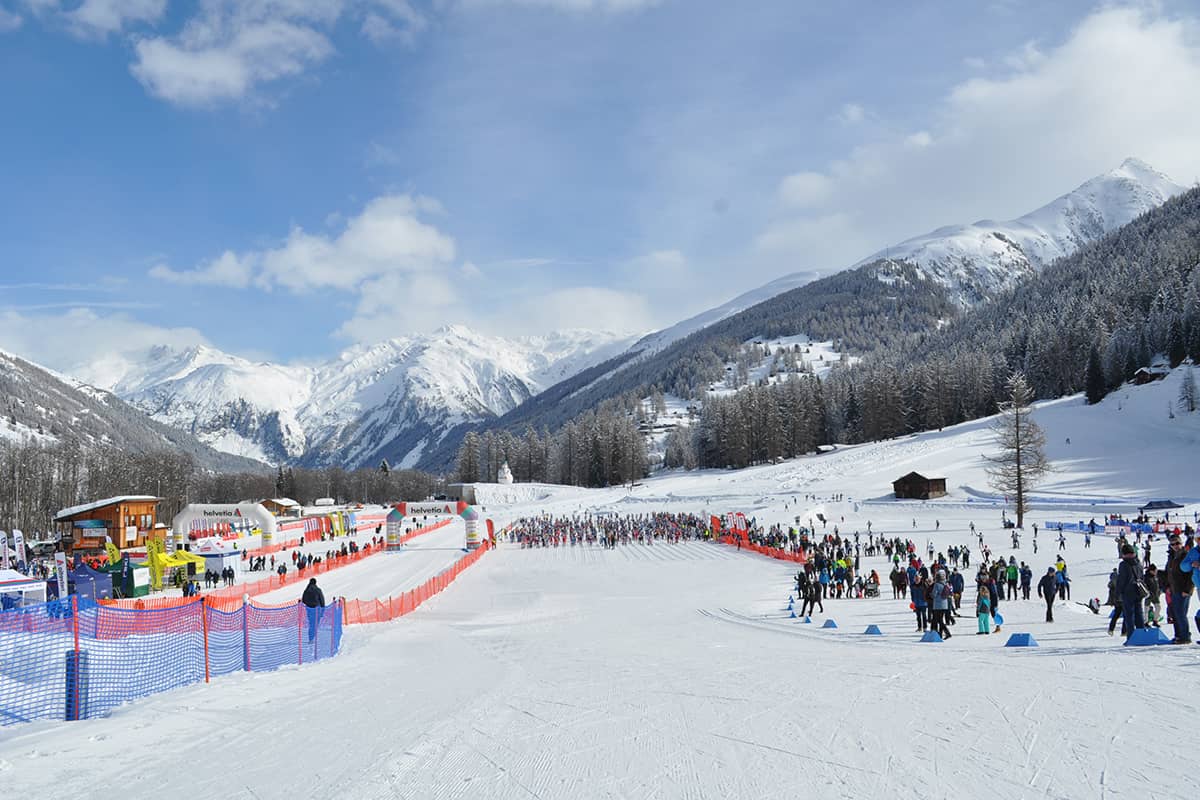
74 659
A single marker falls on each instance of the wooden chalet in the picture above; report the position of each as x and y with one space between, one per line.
127 520
915 486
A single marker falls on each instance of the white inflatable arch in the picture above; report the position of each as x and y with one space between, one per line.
234 513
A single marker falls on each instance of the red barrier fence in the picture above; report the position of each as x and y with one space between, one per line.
770 552
275 581
273 548
363 611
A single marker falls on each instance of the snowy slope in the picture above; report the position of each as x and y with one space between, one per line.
358 407
676 671
976 261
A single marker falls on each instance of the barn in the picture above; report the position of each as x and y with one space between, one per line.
915 486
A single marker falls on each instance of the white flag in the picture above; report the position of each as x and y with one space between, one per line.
3 550
19 547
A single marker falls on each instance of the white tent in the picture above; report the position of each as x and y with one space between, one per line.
13 582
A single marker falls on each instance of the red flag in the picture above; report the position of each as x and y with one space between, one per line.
716 524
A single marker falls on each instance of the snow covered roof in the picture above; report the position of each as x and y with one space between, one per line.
916 476
112 501
285 502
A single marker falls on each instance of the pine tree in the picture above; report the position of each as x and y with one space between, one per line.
1021 461
1094 381
1187 391
1176 344
468 458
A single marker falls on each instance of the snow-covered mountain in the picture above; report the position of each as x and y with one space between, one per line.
976 261
387 400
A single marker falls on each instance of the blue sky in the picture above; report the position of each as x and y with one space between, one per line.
282 178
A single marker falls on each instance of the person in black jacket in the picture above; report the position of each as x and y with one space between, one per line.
1129 575
314 599
1047 588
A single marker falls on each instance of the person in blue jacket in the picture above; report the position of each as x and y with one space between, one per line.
1026 580
957 584
920 605
1191 563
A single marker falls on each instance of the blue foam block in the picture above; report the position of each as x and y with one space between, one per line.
829 624
873 630
1021 640
931 636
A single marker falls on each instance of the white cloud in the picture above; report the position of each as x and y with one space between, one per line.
1123 83
228 269
805 189
396 304
611 6
203 69
591 307
100 18
86 345
233 46
820 240
387 237
852 114
918 139
399 267
1028 57
9 20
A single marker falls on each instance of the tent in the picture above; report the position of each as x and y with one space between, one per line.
18 589
90 583
1159 505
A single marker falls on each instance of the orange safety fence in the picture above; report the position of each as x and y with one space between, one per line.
382 610
770 552
274 548
275 581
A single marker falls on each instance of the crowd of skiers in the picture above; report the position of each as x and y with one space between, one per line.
1137 590
1140 593
607 530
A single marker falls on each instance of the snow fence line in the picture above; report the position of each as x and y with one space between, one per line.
75 659
271 583
358 612
770 552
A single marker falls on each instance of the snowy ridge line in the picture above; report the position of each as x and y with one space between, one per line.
360 612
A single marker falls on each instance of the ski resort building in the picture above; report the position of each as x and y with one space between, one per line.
282 506
126 520
915 486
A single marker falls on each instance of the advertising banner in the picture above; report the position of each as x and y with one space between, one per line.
19 547
60 571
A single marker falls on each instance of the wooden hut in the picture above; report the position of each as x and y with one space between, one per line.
915 486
